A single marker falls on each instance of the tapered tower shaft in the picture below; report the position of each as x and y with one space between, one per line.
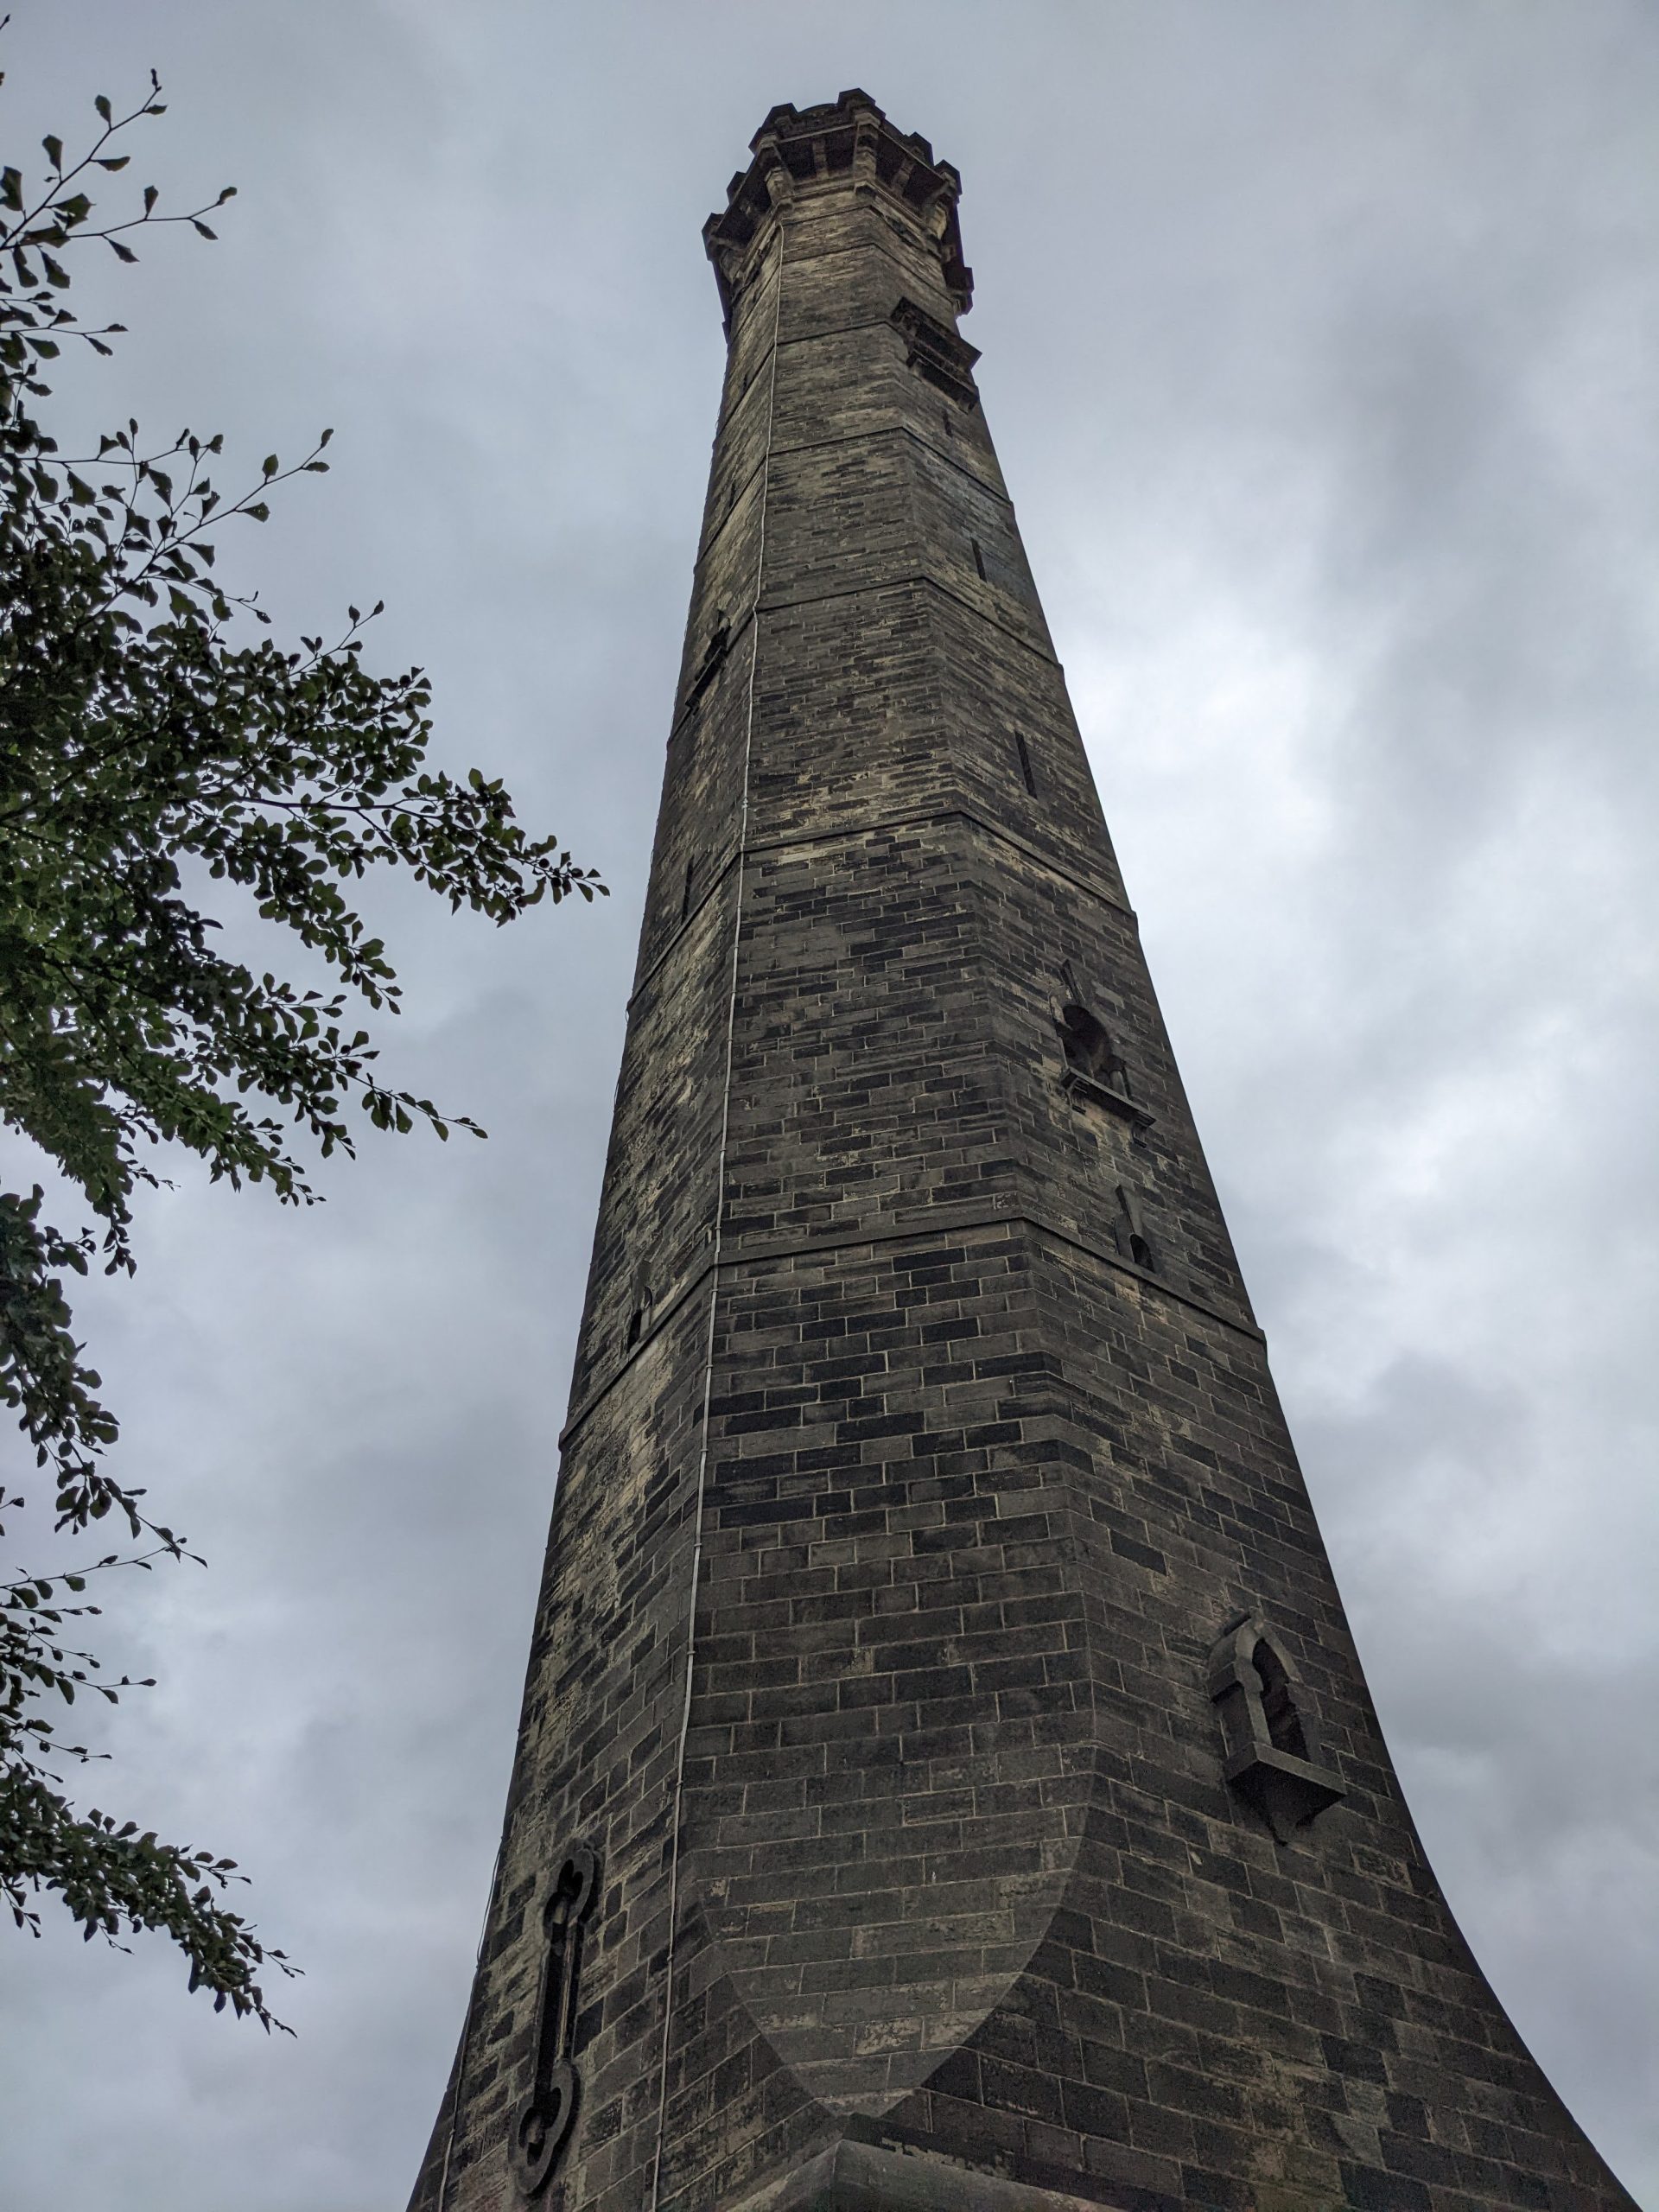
945 1779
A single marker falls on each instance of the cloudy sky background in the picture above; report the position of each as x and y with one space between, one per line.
1320 344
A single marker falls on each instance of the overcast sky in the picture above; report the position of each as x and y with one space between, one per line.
1319 341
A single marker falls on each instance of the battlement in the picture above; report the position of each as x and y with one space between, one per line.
849 136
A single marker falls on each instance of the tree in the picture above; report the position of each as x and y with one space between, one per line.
152 743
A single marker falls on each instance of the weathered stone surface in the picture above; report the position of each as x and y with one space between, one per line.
923 1449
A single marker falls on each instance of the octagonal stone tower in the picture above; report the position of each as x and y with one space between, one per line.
945 1779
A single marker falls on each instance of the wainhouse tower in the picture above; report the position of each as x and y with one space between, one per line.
946 1781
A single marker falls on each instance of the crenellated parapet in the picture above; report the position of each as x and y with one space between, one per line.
848 139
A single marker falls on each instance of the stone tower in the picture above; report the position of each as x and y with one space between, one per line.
946 1781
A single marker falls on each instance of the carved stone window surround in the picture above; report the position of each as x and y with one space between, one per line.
1288 1787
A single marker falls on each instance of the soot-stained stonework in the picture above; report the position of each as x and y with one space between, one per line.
924 1471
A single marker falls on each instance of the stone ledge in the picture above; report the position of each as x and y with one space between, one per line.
869 2177
845 833
938 1221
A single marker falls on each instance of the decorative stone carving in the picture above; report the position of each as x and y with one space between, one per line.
935 351
819 146
542 2124
1094 1070
1272 1748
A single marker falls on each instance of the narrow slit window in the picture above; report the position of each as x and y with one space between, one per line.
638 1315
979 558
945 414
1026 773
719 639
685 892
1133 1240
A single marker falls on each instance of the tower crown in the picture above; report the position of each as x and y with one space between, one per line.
848 137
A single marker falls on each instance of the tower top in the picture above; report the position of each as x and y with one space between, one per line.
848 137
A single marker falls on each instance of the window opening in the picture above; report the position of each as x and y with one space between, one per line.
685 894
1095 1073
1133 1230
937 352
1089 1050
1026 770
639 1314
719 639
1271 1750
979 558
1285 1729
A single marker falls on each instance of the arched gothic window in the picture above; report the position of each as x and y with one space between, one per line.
1271 1745
1094 1067
1088 1049
1285 1725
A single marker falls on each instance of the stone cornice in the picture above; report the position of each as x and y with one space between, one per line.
1004 1213
850 136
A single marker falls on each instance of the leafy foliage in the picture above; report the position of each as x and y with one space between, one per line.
148 744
